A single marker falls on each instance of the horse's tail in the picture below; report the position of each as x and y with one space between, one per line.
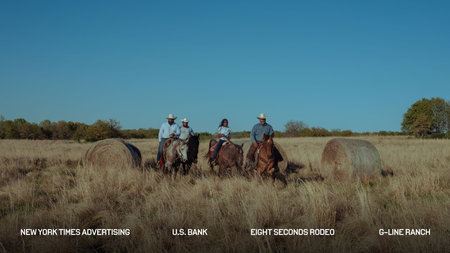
207 152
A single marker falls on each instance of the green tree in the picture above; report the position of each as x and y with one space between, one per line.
48 128
306 132
440 115
19 122
114 126
293 128
421 126
335 131
2 127
435 110
346 133
100 130
277 134
422 106
63 131
152 133
80 131
10 130
30 131
320 132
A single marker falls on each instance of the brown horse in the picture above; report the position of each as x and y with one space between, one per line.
230 156
266 160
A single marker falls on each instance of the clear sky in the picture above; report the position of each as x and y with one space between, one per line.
354 65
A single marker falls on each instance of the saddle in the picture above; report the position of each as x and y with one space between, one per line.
254 163
224 145
215 145
166 145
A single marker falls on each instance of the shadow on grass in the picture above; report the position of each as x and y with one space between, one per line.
150 164
294 167
387 171
298 180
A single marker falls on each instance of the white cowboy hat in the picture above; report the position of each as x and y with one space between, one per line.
262 116
171 117
184 120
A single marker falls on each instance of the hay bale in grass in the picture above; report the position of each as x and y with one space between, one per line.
280 155
344 159
138 154
112 153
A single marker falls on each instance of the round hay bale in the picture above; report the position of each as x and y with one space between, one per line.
344 159
280 155
112 153
138 154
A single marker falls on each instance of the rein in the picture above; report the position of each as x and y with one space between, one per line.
170 158
270 159
173 160
221 151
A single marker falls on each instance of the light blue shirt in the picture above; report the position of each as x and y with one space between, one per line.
185 132
258 130
166 130
226 131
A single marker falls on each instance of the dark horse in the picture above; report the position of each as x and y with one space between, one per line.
192 153
266 160
230 156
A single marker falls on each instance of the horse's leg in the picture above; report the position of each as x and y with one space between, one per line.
272 174
221 169
169 170
210 164
259 171
164 170
188 168
276 175
175 170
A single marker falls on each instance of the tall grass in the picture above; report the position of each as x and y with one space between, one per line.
44 185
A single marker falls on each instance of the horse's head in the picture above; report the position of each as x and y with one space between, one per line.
268 142
193 143
182 150
240 154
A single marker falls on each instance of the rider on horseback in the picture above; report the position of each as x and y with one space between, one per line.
170 129
186 131
224 133
256 136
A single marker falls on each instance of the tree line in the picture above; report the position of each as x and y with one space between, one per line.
301 129
61 130
77 131
427 118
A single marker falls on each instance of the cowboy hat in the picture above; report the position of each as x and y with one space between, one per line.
184 120
171 117
262 116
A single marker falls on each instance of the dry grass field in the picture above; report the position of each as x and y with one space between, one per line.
44 185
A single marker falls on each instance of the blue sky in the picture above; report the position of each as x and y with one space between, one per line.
354 65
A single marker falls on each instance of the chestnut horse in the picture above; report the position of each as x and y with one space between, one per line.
266 160
229 156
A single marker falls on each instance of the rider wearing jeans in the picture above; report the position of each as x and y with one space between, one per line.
167 130
224 133
256 136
